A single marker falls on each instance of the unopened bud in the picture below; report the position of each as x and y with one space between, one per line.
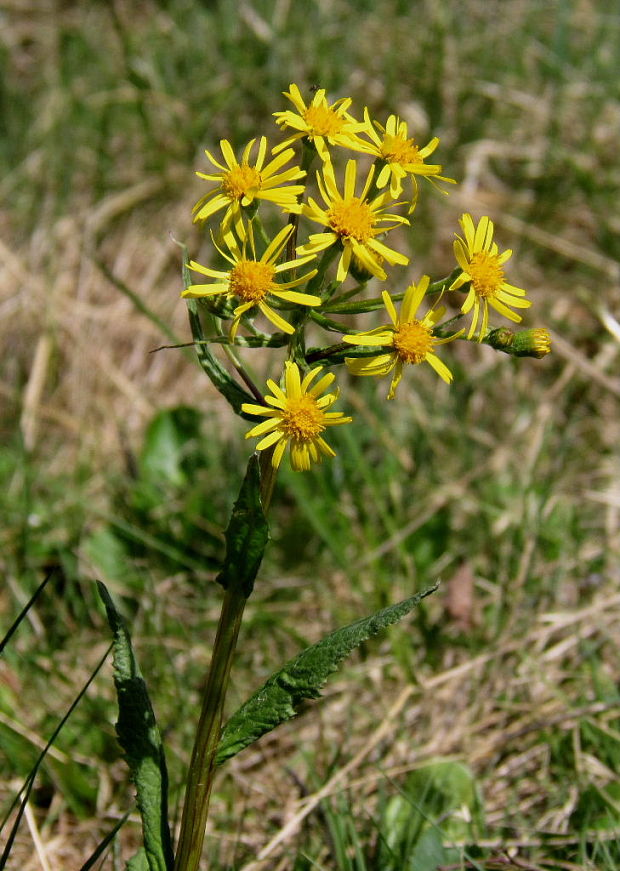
532 343
524 343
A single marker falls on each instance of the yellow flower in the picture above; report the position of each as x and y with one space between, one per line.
240 183
318 122
402 157
252 280
482 266
297 418
409 340
353 221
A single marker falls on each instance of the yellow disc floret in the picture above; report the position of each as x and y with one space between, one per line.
323 121
240 181
413 341
487 275
395 149
352 217
251 280
302 418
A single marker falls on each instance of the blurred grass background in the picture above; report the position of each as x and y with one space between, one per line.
486 727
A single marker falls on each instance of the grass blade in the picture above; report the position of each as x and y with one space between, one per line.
25 609
29 782
103 845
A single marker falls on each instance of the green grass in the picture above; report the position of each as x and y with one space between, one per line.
122 465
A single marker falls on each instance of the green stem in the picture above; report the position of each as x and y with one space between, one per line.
367 305
297 344
307 158
202 766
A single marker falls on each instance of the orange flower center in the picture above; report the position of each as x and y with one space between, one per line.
487 275
413 341
352 217
323 121
302 419
395 149
237 183
251 280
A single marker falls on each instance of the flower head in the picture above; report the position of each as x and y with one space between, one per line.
352 220
407 341
253 280
240 183
297 417
318 122
400 155
482 266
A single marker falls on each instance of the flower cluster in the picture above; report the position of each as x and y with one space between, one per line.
351 207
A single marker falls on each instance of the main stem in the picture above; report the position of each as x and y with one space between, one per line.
202 765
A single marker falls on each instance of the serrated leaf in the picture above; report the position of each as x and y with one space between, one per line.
220 378
302 677
246 536
139 737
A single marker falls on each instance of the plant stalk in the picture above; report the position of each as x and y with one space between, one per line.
202 766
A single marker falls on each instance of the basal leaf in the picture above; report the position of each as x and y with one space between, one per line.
246 536
139 737
301 678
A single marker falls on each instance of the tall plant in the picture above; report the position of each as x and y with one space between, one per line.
264 291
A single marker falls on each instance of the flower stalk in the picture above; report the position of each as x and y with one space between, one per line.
202 766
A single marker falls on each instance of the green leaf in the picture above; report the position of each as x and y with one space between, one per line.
246 536
138 862
437 806
302 677
220 378
139 737
165 450
429 853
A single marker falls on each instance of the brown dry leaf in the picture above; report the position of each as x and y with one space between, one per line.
460 598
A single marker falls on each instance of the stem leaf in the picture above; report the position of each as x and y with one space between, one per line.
139 737
302 677
247 535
